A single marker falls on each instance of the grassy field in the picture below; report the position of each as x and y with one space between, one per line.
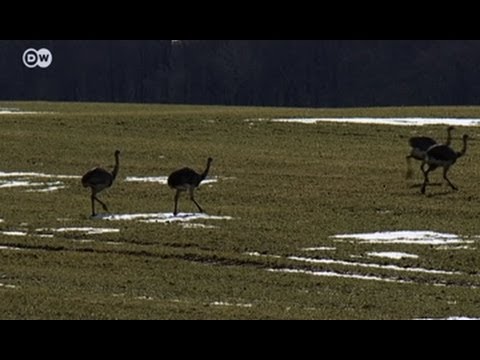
285 186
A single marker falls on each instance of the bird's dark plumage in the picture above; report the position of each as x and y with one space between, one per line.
98 179
421 143
187 179
441 153
184 177
441 156
419 146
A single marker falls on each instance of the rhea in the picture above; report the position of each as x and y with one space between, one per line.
186 179
441 156
99 179
420 145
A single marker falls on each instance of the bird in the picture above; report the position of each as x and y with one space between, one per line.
186 179
441 156
99 179
420 145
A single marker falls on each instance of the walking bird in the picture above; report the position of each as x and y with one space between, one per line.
420 145
99 179
441 156
186 179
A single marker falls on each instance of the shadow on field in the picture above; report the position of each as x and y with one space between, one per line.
443 193
420 185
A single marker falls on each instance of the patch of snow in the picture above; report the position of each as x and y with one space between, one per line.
451 318
340 275
85 230
45 235
197 226
18 112
18 183
113 243
372 265
126 217
185 217
392 255
461 247
51 186
162 217
24 179
405 237
8 286
255 253
320 248
9 248
416 121
224 303
161 180
14 233
48 189
35 174
147 179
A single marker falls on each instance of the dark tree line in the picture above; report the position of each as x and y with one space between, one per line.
316 73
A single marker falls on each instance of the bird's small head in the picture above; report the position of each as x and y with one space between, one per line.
450 128
209 160
465 137
117 152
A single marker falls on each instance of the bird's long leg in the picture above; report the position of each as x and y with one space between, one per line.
425 181
92 197
101 202
422 167
445 170
177 195
195 202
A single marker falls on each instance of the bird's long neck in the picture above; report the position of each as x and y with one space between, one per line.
116 168
464 149
449 136
205 173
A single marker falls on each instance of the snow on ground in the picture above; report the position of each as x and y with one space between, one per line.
405 237
385 121
341 275
147 179
451 318
197 226
2 247
7 286
16 111
392 255
14 233
24 179
439 240
225 303
4 174
84 230
161 180
373 266
320 248
162 217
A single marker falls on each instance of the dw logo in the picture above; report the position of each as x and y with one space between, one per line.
32 58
